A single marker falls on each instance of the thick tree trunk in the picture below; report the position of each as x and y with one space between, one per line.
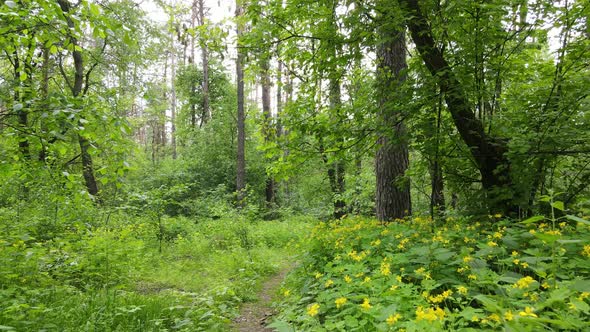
241 156
487 152
393 200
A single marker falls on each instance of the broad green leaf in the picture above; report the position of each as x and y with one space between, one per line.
578 219
558 205
532 219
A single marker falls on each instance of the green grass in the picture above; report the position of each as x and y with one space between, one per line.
139 274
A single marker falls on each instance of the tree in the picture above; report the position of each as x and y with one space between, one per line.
241 117
78 89
393 189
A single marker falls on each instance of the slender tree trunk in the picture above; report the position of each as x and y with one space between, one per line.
241 156
437 198
76 88
268 125
44 100
393 199
21 113
206 112
173 101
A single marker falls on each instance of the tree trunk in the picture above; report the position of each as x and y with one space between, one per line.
76 88
241 157
206 115
173 100
267 126
437 198
393 199
487 152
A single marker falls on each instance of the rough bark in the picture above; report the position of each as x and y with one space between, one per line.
393 199
241 157
487 152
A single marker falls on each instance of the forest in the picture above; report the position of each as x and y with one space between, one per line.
294 165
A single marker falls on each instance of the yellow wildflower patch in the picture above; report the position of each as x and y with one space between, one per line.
313 309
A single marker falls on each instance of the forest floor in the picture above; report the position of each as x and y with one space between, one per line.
254 316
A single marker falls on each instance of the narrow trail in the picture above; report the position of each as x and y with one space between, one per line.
254 315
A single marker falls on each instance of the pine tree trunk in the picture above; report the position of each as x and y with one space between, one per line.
241 156
393 199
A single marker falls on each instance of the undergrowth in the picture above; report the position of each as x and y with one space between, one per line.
134 273
460 275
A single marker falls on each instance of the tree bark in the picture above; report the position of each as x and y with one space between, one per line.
241 156
393 200
487 152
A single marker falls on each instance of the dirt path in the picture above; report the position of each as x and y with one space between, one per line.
254 315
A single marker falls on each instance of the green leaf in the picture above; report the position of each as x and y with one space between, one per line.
532 219
94 9
558 205
17 107
4 327
578 219
11 5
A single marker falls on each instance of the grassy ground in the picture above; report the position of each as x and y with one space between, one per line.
171 274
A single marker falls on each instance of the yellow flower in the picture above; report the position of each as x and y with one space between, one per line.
584 295
498 215
348 279
385 269
313 309
508 315
524 265
497 235
393 287
462 290
514 253
440 297
586 250
494 317
329 283
429 314
472 277
528 312
516 261
340 302
492 244
392 319
366 305
523 283
287 293
367 279
398 278
467 259
318 275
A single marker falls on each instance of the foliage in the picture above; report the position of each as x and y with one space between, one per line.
458 274
116 275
